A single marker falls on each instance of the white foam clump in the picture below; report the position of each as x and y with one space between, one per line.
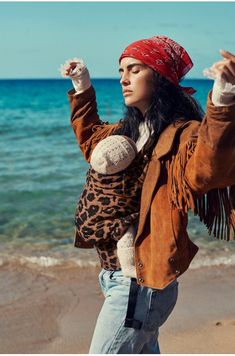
82 263
44 261
210 261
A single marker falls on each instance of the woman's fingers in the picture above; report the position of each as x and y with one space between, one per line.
227 75
72 65
231 68
227 54
226 68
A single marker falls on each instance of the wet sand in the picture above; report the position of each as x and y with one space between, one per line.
54 310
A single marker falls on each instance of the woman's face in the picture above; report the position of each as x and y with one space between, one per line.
137 83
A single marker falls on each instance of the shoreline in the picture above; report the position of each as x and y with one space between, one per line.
54 310
214 256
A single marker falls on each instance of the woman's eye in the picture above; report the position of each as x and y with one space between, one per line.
135 71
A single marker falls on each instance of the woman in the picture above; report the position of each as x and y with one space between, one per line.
190 163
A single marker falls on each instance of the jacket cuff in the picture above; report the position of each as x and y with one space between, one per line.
82 98
219 113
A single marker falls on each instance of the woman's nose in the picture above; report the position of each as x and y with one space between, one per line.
124 80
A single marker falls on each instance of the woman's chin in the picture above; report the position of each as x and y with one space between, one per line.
129 102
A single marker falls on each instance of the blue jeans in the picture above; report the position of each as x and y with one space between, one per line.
153 307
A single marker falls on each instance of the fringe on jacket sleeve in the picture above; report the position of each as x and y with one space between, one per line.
100 132
216 208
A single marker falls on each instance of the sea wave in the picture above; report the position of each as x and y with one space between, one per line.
213 261
201 260
47 261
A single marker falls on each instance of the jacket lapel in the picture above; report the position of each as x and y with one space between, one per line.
163 146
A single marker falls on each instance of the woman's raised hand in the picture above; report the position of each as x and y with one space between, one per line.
223 69
72 67
76 69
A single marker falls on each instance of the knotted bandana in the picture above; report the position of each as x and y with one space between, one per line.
163 55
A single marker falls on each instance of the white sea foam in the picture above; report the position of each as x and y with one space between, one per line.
82 263
47 261
202 259
209 261
44 261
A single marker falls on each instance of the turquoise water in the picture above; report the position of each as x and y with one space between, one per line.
41 168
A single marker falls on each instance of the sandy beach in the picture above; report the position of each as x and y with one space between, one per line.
54 310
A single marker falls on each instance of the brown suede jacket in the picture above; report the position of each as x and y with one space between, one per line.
192 167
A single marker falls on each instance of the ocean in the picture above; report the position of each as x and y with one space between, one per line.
42 173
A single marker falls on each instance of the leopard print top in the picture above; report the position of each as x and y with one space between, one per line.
108 205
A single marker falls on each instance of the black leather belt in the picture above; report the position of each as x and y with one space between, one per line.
130 322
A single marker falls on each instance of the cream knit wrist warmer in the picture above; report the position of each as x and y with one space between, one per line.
223 93
80 79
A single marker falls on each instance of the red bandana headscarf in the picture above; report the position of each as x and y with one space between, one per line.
163 55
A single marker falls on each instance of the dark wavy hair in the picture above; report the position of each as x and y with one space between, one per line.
170 104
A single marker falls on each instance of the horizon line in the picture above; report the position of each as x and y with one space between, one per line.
98 78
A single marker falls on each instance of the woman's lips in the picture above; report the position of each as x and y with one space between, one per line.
128 92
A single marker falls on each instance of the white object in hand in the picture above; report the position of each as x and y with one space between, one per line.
79 74
223 92
209 73
126 252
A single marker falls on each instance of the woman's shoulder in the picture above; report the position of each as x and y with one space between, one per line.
189 130
99 132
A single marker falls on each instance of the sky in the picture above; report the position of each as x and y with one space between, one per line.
36 37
